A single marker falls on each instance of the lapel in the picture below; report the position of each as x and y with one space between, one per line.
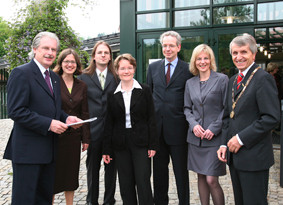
108 79
211 82
136 94
54 84
40 80
244 80
95 79
177 72
195 83
119 98
161 72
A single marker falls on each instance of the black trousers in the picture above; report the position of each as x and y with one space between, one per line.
134 170
93 163
249 187
179 155
33 184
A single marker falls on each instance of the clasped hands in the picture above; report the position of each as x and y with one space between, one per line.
201 133
59 127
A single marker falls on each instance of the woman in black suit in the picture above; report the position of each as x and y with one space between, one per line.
130 131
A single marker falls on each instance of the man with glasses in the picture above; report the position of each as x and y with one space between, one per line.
167 79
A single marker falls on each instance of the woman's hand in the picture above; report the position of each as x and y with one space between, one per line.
208 134
199 131
106 159
151 153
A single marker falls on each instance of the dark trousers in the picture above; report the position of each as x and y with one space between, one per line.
33 184
179 155
93 163
250 187
134 170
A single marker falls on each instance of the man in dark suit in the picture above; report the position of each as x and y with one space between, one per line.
100 79
167 83
34 103
251 112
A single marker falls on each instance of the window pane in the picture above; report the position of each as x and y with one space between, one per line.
185 3
151 21
227 1
270 11
198 17
233 14
144 5
260 33
276 33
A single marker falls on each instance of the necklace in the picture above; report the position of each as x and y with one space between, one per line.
234 103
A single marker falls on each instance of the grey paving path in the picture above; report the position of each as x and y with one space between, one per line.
275 194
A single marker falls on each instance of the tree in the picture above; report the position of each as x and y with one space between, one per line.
43 15
4 35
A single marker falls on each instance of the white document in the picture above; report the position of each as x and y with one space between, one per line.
81 122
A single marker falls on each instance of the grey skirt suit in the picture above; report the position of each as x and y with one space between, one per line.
204 105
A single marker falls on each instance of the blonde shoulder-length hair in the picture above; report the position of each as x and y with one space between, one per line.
206 49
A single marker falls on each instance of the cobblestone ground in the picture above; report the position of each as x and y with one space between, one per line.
275 194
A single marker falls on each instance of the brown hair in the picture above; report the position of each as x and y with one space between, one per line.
92 66
58 68
125 56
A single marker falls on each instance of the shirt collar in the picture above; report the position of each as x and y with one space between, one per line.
173 63
246 71
41 68
104 72
135 85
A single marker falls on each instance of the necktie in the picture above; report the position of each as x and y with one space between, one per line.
47 80
102 80
239 80
168 74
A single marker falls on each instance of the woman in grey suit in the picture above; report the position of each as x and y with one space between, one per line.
204 106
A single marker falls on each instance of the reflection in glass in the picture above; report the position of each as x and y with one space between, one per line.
151 51
260 33
270 11
197 17
145 5
227 1
233 14
225 63
152 21
185 3
188 45
276 32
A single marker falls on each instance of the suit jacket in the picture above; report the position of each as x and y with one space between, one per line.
169 100
75 103
256 114
207 112
32 107
142 121
97 98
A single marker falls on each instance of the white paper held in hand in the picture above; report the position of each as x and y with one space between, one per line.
84 121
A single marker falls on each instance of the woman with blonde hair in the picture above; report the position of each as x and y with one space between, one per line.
204 101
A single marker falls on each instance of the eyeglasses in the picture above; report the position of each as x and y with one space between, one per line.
67 62
169 46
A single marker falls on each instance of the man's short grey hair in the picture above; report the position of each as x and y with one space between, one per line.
245 39
37 39
173 34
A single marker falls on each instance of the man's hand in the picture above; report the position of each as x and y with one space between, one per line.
199 131
73 119
234 145
58 127
221 153
84 146
151 153
106 159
